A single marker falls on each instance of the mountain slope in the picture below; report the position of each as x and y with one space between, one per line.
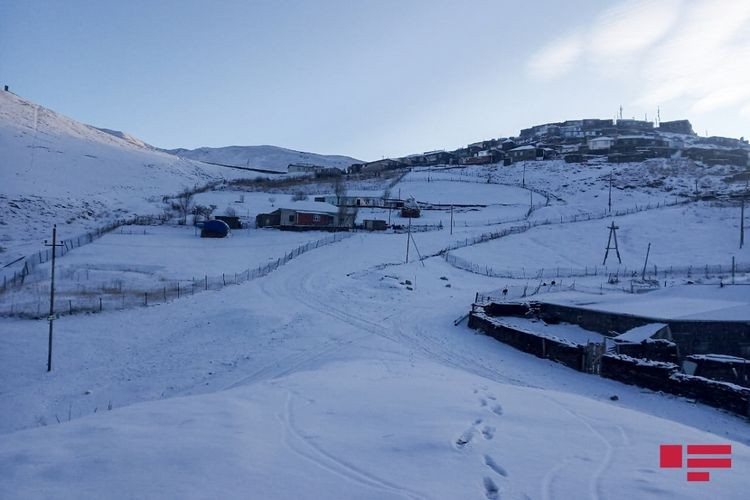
58 170
267 157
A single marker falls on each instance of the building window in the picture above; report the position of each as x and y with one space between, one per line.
316 218
291 218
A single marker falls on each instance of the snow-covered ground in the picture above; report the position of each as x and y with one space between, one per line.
341 374
683 302
680 236
323 376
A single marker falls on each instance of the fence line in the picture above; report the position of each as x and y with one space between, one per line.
616 272
484 237
122 298
33 261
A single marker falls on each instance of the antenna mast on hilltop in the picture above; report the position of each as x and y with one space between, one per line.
658 116
619 117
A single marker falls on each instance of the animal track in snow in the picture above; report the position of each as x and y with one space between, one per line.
482 402
497 410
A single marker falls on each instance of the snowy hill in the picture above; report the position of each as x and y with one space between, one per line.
56 170
127 137
267 157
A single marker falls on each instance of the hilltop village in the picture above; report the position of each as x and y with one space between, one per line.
579 141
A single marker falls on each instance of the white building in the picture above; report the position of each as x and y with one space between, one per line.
599 143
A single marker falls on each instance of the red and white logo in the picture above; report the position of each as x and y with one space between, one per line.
698 457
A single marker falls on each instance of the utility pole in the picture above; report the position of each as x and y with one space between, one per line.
612 235
451 219
742 221
609 202
408 240
523 179
643 274
51 317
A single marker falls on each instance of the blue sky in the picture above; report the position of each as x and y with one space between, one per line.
375 78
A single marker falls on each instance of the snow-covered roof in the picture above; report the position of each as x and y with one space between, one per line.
310 206
641 333
602 138
523 148
719 358
637 137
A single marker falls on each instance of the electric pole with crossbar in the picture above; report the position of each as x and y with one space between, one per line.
51 317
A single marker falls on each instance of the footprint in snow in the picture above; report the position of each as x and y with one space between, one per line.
497 468
482 402
491 490
488 432
465 438
497 410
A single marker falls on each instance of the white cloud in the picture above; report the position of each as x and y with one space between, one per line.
632 26
707 60
695 50
556 58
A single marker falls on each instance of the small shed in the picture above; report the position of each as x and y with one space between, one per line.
375 225
410 209
306 215
718 367
649 331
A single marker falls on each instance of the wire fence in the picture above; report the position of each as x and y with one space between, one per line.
33 303
515 292
614 272
27 265
485 237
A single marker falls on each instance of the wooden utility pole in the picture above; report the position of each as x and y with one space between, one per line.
523 179
742 221
609 202
408 240
643 274
612 236
51 317
451 219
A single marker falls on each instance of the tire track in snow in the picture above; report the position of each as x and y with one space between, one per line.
308 450
595 481
306 294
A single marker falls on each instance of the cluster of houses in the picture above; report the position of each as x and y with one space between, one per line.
316 170
621 140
